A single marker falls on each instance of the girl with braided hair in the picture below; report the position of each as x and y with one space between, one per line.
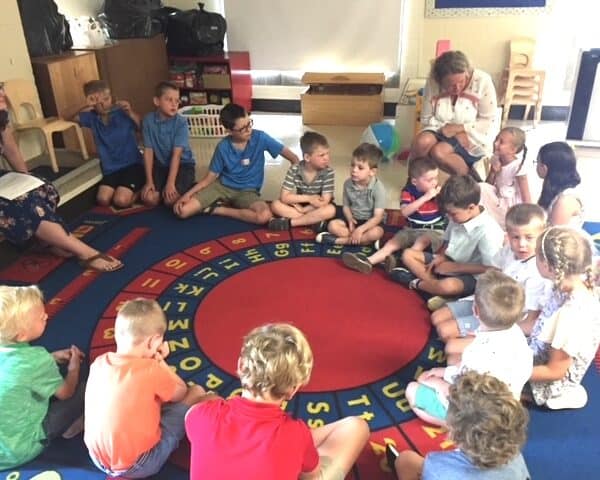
566 335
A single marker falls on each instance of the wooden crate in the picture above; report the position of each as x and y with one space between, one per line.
342 98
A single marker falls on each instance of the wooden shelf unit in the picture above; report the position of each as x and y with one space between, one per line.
193 76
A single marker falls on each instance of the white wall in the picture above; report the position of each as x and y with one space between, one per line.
14 61
91 8
559 32
78 8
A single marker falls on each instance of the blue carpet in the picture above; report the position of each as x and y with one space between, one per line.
560 445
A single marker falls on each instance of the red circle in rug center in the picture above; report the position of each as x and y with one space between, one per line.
361 328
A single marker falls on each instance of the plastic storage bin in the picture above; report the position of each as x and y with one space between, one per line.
203 120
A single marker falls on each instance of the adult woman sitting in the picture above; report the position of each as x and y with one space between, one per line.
33 214
458 115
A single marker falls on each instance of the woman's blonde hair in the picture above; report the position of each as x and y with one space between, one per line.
275 359
15 304
450 63
139 319
485 420
567 252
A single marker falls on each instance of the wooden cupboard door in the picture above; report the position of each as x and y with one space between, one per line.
68 78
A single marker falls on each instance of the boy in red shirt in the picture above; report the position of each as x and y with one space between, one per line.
252 437
135 404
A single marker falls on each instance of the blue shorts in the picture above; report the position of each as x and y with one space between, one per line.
457 147
462 311
172 424
428 400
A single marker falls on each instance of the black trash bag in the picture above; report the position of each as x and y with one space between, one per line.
196 33
46 30
132 18
162 16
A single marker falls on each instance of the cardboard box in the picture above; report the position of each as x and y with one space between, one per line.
216 81
342 98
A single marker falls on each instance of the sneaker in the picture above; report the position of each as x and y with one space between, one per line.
279 224
319 227
357 261
326 238
402 275
390 263
376 245
391 454
572 397
436 302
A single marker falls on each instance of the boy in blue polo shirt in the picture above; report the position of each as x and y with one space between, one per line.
168 161
235 176
114 126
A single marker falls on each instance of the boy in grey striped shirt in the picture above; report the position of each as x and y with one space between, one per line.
307 190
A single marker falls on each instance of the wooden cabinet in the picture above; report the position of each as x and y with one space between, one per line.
132 68
60 81
219 79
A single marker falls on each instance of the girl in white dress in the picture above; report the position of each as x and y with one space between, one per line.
506 184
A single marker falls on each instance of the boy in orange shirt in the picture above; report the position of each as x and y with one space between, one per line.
135 404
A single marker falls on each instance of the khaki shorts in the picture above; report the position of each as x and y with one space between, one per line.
231 196
407 236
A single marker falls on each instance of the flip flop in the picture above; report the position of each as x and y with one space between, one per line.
211 208
87 263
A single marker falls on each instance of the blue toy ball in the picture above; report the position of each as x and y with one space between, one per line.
384 136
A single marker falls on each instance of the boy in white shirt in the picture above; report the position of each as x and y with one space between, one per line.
455 322
499 349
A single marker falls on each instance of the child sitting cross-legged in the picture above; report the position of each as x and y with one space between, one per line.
426 222
488 426
566 335
307 190
471 240
231 187
38 404
135 404
253 437
364 202
499 348
455 322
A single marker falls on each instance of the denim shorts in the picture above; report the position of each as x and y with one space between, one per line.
172 424
462 311
428 400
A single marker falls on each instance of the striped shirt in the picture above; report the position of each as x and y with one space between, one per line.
427 214
295 180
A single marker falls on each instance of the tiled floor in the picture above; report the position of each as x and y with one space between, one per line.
342 140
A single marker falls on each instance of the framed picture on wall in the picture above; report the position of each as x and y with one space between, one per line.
484 8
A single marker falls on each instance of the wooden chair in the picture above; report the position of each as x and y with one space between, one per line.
521 53
524 87
27 115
